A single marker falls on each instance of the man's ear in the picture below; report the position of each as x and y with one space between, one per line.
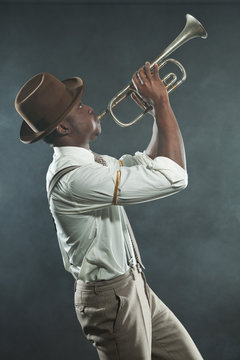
63 128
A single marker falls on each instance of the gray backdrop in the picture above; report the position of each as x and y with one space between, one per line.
190 241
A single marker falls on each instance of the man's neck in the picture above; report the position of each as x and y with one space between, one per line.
62 142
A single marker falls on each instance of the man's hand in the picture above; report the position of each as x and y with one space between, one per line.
149 86
166 138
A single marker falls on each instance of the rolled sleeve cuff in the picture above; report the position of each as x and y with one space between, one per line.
175 174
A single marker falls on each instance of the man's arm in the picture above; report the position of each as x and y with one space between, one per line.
166 137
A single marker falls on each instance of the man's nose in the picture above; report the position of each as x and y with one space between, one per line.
90 110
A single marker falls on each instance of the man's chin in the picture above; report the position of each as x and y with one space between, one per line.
97 132
99 129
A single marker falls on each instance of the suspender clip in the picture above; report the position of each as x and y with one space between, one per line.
138 266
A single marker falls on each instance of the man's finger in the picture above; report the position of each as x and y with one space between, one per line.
136 81
156 72
142 74
148 71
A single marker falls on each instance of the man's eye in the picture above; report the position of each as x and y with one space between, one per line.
80 106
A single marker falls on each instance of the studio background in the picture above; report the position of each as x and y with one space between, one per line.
189 242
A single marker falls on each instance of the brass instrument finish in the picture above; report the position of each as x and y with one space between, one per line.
193 28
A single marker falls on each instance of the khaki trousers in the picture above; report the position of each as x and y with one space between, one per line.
124 319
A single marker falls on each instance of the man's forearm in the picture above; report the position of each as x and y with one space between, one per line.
152 148
166 137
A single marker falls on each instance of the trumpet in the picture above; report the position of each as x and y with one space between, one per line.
193 29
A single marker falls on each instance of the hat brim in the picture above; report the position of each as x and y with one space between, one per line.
28 136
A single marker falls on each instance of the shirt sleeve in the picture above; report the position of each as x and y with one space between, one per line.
93 185
165 165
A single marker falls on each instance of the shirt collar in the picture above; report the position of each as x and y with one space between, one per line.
76 153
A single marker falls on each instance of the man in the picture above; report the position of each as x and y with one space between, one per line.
118 311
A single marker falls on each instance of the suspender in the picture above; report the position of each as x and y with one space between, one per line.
51 186
57 177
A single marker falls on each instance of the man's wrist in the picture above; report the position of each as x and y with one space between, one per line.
160 103
160 107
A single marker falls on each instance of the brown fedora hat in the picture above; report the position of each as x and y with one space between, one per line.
43 102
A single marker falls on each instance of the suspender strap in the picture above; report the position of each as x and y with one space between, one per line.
57 177
64 171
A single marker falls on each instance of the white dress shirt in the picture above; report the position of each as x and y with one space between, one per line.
91 230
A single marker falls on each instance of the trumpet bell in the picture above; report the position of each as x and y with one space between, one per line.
193 28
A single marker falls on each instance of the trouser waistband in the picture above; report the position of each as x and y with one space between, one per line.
101 285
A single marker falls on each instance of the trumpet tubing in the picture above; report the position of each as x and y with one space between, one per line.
193 28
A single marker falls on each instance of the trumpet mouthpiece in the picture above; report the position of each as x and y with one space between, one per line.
102 114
